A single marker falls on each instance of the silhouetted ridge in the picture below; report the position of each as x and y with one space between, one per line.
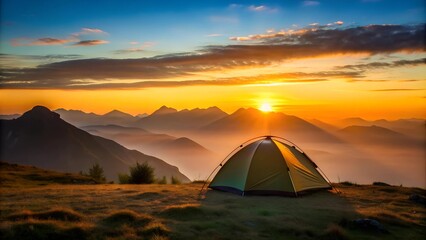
41 138
371 131
164 110
117 113
40 112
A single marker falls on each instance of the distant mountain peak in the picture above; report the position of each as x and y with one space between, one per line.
186 143
60 110
142 115
373 129
40 112
164 110
355 118
214 108
117 113
246 110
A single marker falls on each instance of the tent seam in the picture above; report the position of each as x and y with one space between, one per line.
251 163
288 169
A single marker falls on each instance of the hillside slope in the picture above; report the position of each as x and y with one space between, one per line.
14 175
41 138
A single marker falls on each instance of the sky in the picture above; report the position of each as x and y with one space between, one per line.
314 59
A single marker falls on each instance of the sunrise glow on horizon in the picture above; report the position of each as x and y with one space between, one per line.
313 59
265 107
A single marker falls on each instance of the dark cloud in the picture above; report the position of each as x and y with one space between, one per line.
16 61
375 65
41 57
372 39
292 77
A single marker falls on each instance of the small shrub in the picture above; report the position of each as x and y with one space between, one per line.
175 180
96 172
123 178
162 181
380 184
347 183
141 174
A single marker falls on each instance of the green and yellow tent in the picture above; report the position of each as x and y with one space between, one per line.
269 166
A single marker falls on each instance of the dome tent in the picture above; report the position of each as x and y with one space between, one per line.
269 166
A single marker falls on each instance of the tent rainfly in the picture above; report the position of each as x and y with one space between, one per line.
269 166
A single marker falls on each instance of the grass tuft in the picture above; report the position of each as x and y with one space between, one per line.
147 195
127 217
61 214
183 212
158 237
33 230
334 232
154 229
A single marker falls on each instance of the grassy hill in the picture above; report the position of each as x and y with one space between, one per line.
176 212
14 175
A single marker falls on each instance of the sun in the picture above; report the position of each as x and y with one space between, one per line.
265 107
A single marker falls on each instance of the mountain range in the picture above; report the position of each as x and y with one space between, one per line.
375 135
412 127
253 122
197 140
191 157
169 119
41 138
80 118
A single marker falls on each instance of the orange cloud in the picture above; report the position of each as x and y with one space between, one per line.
371 39
48 41
90 43
17 42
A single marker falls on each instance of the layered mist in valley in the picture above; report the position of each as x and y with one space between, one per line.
197 140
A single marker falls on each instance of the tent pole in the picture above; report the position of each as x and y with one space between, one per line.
291 180
329 182
322 173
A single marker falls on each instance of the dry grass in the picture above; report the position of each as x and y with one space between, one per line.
14 175
60 214
162 211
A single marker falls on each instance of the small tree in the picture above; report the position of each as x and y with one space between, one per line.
162 181
175 180
141 173
96 172
123 178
